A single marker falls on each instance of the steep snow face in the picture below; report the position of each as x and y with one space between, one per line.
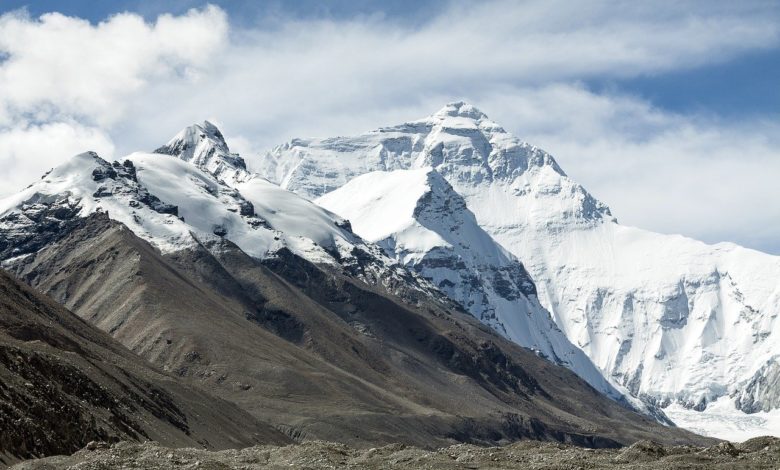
256 215
666 316
417 217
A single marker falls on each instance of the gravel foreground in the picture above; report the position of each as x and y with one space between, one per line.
758 453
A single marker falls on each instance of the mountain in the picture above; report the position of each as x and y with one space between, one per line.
418 219
671 319
265 299
64 383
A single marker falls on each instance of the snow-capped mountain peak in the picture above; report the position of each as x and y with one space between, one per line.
460 109
204 146
417 208
484 163
668 317
173 204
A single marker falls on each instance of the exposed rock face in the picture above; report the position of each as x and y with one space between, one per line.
762 391
39 221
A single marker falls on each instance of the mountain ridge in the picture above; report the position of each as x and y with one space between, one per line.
327 338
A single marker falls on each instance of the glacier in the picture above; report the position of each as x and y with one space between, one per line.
675 321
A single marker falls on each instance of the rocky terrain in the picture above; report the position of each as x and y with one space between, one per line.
64 383
319 353
755 454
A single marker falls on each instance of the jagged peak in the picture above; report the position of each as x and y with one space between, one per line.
212 132
439 190
204 145
460 109
437 183
194 135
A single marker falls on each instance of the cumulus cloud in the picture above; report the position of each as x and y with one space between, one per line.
132 84
63 66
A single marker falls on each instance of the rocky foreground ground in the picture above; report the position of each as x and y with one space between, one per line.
758 453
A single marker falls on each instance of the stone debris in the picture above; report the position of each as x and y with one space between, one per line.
758 453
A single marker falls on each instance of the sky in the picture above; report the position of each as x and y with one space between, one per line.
667 111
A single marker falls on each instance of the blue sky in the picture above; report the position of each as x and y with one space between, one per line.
740 86
667 111
247 12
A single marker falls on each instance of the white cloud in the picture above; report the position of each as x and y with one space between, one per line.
62 66
139 83
26 152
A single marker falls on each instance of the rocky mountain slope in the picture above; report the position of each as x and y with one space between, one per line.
64 383
284 311
670 318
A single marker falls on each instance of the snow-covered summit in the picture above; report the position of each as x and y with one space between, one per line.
413 212
476 155
303 226
460 109
204 146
